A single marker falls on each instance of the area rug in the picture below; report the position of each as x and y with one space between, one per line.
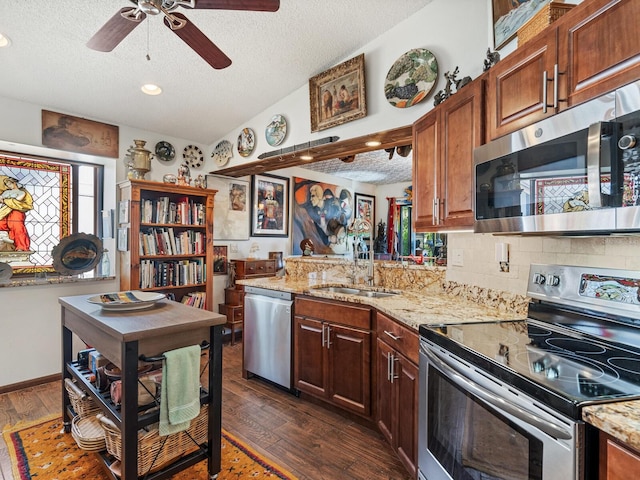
40 450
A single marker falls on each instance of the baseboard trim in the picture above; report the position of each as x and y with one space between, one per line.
30 383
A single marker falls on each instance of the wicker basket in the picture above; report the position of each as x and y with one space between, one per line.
88 433
541 20
152 454
81 403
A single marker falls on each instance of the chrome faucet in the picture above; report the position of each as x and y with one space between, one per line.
358 228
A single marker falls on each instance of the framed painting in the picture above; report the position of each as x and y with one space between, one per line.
510 15
365 208
337 95
231 219
220 260
74 134
322 213
269 206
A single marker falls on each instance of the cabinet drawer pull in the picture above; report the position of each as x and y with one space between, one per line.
394 337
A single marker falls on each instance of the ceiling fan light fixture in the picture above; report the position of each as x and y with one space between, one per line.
4 41
151 89
150 7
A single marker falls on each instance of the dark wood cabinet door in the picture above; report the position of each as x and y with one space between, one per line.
616 461
461 120
599 47
425 158
349 353
516 87
406 388
384 400
310 361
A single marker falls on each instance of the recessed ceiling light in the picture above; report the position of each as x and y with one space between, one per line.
4 41
151 89
373 143
306 157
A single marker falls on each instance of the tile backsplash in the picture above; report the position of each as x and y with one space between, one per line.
475 263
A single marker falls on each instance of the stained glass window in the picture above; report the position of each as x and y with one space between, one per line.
36 200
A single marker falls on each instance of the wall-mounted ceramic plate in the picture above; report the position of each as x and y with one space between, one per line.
246 142
77 253
411 78
165 151
276 130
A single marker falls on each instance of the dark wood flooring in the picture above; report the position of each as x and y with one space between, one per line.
310 441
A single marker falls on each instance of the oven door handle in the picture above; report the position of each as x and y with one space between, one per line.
459 378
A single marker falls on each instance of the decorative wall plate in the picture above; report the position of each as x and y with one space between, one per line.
165 151
411 78
77 253
193 156
246 142
222 153
276 130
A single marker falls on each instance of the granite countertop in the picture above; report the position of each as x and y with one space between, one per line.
409 308
621 420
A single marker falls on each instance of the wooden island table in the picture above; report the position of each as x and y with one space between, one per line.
123 337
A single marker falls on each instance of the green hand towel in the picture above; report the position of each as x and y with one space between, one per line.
180 390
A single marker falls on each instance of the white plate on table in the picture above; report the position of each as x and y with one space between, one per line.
129 300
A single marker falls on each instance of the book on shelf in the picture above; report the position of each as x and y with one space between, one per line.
195 299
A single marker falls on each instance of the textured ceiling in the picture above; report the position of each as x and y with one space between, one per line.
273 54
369 167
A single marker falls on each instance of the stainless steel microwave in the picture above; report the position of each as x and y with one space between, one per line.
577 172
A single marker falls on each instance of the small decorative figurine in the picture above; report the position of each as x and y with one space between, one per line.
491 60
184 175
307 247
442 95
200 182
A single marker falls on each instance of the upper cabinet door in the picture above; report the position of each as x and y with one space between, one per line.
599 48
460 132
425 158
521 87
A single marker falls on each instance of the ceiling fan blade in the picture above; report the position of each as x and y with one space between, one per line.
257 5
116 29
198 41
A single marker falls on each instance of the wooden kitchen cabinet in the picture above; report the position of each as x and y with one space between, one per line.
577 58
397 388
332 353
617 461
443 143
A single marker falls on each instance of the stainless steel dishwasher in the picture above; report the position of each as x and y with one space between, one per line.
267 334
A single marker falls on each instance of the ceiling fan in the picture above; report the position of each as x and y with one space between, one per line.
128 18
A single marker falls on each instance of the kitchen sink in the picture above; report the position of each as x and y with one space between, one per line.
355 291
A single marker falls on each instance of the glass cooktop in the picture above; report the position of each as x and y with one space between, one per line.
565 369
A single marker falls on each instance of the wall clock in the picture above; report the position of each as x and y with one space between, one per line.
222 153
193 156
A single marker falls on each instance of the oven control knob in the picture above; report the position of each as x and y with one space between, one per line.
552 373
539 279
553 280
627 141
538 366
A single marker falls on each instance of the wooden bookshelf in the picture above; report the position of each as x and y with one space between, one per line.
169 240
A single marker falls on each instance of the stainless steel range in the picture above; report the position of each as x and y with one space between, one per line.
503 400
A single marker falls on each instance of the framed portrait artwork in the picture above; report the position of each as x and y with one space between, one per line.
75 134
365 208
231 219
509 16
337 95
220 259
269 206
